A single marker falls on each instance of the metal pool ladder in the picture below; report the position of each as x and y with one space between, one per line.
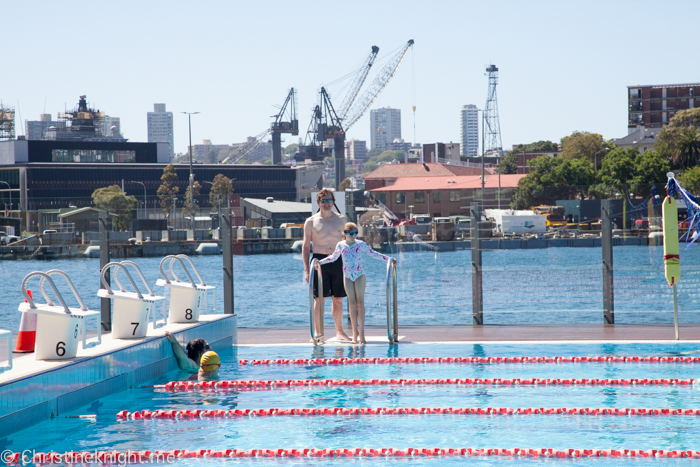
392 303
315 269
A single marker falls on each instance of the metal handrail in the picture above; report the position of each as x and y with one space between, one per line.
172 259
315 269
392 303
138 270
45 276
70 284
118 266
201 281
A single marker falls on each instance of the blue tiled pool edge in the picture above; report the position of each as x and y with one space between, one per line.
33 399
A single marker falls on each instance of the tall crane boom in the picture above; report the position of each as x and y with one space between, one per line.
382 79
247 148
291 126
357 84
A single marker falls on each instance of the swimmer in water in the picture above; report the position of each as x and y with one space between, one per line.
351 251
209 366
195 349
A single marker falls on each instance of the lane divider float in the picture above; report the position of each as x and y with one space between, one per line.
468 360
186 386
158 456
279 412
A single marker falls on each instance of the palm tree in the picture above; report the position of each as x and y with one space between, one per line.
685 151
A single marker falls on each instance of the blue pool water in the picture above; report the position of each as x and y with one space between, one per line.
555 285
400 431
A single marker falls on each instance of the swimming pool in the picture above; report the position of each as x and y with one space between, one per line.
401 431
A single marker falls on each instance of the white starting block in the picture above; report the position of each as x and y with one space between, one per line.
185 297
131 309
7 336
59 328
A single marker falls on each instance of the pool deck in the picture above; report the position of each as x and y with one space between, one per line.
529 333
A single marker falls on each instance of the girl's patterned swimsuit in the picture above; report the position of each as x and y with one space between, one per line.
352 260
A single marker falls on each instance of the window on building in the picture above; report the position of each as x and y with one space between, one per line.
436 196
454 196
419 197
400 198
92 155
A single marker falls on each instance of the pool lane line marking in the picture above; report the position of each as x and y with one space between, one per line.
158 456
495 342
277 412
185 386
468 360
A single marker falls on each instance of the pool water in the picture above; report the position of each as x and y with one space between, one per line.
105 432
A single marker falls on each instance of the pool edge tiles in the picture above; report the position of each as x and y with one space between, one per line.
35 391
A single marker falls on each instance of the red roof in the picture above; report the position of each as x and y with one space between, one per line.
416 169
451 183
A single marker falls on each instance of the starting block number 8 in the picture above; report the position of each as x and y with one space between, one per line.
184 304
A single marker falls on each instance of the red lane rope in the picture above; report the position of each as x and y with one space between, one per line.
185 386
470 360
158 456
213 413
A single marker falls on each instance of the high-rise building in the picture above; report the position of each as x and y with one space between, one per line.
36 129
469 130
160 127
112 126
356 150
652 106
385 127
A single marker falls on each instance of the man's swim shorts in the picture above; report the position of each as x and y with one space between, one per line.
332 274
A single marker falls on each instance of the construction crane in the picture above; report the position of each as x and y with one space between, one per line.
277 128
379 83
357 84
325 123
389 217
247 148
291 126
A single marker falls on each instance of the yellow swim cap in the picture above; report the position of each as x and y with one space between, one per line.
210 361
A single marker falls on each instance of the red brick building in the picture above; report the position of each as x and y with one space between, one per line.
652 106
445 196
387 174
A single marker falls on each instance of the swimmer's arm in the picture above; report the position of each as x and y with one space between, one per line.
333 257
183 361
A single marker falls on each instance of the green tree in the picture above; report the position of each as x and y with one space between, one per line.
679 142
583 145
345 184
690 180
368 166
373 153
211 157
650 169
291 149
191 209
618 167
113 200
508 164
220 190
390 155
167 191
553 178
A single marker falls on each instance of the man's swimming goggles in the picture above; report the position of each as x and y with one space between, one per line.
349 233
324 201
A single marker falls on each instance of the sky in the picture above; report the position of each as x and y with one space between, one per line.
564 66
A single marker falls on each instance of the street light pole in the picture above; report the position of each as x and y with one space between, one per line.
144 196
189 121
9 191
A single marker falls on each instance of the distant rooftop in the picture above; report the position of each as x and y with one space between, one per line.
663 85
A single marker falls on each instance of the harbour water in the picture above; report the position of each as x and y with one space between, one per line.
554 285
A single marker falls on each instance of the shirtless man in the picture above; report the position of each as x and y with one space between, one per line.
325 229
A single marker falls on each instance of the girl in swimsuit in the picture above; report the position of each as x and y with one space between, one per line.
354 276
